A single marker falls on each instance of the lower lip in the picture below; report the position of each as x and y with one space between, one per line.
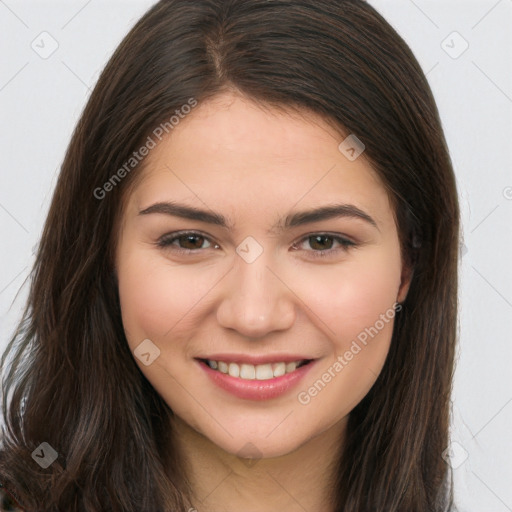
257 389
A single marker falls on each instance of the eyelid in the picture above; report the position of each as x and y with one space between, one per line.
346 243
166 241
337 236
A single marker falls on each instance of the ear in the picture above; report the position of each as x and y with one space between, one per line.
405 282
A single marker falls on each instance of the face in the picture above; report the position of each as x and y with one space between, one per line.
252 245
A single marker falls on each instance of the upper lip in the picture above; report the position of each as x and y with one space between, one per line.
255 360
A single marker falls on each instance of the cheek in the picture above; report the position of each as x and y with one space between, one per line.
366 295
156 296
351 297
357 304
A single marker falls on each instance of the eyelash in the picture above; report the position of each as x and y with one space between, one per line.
167 240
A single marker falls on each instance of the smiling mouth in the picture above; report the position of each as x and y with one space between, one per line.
248 371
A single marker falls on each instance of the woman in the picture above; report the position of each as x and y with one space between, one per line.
245 292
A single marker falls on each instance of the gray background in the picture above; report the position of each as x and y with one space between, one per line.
41 100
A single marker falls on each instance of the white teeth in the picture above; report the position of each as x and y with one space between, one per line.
247 371
290 367
264 372
254 372
279 369
234 370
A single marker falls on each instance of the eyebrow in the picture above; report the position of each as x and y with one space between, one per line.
291 220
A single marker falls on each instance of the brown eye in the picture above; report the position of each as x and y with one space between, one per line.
321 242
191 241
323 245
188 241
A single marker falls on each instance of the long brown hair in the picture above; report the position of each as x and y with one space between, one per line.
69 378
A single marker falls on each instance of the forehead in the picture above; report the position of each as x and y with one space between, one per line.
231 152
234 127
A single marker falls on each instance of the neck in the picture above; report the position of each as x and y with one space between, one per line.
298 481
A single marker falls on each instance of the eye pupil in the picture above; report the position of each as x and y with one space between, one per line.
190 239
321 240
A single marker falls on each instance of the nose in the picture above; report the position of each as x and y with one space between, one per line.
255 300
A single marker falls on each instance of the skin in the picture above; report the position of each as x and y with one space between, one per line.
256 166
